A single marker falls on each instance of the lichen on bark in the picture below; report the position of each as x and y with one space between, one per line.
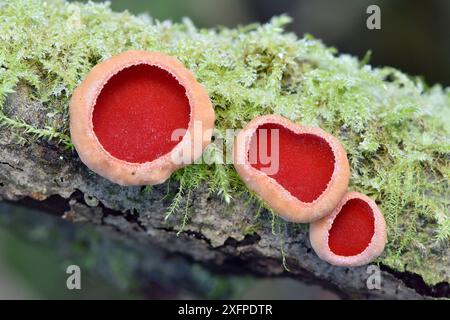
393 126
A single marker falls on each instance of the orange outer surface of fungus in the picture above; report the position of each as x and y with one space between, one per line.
281 200
352 229
148 171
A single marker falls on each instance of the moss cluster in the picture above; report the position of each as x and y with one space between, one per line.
392 125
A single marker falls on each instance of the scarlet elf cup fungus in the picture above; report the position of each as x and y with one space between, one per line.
354 234
124 114
307 173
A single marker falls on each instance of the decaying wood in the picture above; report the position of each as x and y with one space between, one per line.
55 180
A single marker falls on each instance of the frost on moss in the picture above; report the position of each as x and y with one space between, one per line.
395 128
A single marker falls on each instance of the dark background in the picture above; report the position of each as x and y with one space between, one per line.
414 35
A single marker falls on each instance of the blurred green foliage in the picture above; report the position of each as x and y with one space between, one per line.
38 248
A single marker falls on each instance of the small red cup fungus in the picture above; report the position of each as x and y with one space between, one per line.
124 114
354 234
307 173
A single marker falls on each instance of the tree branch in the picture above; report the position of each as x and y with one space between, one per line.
40 174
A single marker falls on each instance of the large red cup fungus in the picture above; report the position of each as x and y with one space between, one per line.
307 173
123 116
354 234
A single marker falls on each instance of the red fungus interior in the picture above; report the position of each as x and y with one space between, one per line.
136 112
306 161
352 229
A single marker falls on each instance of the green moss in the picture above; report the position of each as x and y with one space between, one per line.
391 124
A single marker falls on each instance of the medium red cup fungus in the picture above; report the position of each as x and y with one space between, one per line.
354 234
125 112
301 172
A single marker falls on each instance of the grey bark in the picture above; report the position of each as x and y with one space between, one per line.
44 175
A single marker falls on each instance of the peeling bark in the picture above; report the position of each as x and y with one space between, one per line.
42 175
